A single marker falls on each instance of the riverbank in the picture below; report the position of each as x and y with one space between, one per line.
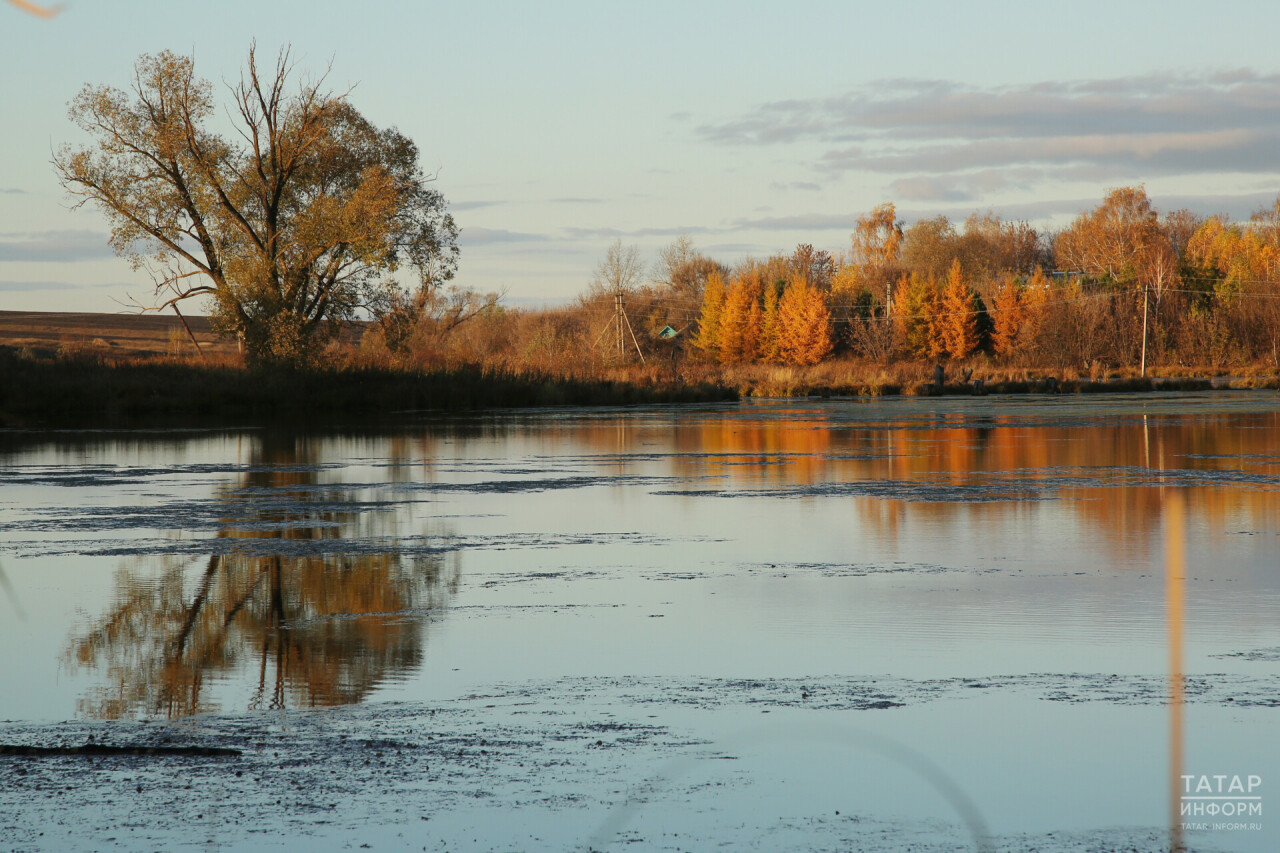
72 390
84 386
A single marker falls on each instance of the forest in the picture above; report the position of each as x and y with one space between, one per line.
1123 291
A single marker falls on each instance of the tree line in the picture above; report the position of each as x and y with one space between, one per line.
1122 285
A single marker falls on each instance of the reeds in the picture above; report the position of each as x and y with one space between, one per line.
84 385
84 388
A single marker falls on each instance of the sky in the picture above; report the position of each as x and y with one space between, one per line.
556 128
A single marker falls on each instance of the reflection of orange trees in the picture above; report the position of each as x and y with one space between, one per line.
314 622
1110 473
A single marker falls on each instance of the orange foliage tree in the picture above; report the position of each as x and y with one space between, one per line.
1008 314
713 299
1018 313
804 323
770 347
959 315
739 333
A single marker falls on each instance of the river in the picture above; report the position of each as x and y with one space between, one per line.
1035 623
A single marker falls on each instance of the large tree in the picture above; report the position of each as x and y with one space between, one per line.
290 213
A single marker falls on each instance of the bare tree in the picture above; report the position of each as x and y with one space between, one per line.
683 271
620 271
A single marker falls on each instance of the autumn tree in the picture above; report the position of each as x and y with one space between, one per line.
707 338
1233 256
959 314
1122 239
1019 317
740 323
288 227
770 345
929 246
1179 226
989 246
1035 305
1265 221
816 265
1008 315
804 323
914 317
430 314
875 250
986 246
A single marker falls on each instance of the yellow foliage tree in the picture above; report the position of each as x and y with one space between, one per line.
770 346
1035 300
713 299
847 282
1238 255
959 325
912 315
739 332
1008 315
804 323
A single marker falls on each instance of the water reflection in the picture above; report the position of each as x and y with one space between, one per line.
294 601
983 469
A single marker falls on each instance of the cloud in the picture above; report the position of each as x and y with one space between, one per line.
1238 206
808 186
593 233
54 246
799 222
31 286
731 248
474 205
25 286
1119 129
12 191
928 187
490 236
576 200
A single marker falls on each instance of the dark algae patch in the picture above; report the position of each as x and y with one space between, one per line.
102 749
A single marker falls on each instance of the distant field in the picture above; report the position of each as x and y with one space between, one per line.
126 334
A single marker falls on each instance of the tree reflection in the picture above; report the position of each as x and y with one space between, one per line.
311 597
1112 470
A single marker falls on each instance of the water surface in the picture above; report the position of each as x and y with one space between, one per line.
775 611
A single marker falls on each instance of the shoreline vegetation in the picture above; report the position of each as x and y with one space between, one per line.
1124 299
77 389
78 386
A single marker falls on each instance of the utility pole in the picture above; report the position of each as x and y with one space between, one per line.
622 328
620 314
